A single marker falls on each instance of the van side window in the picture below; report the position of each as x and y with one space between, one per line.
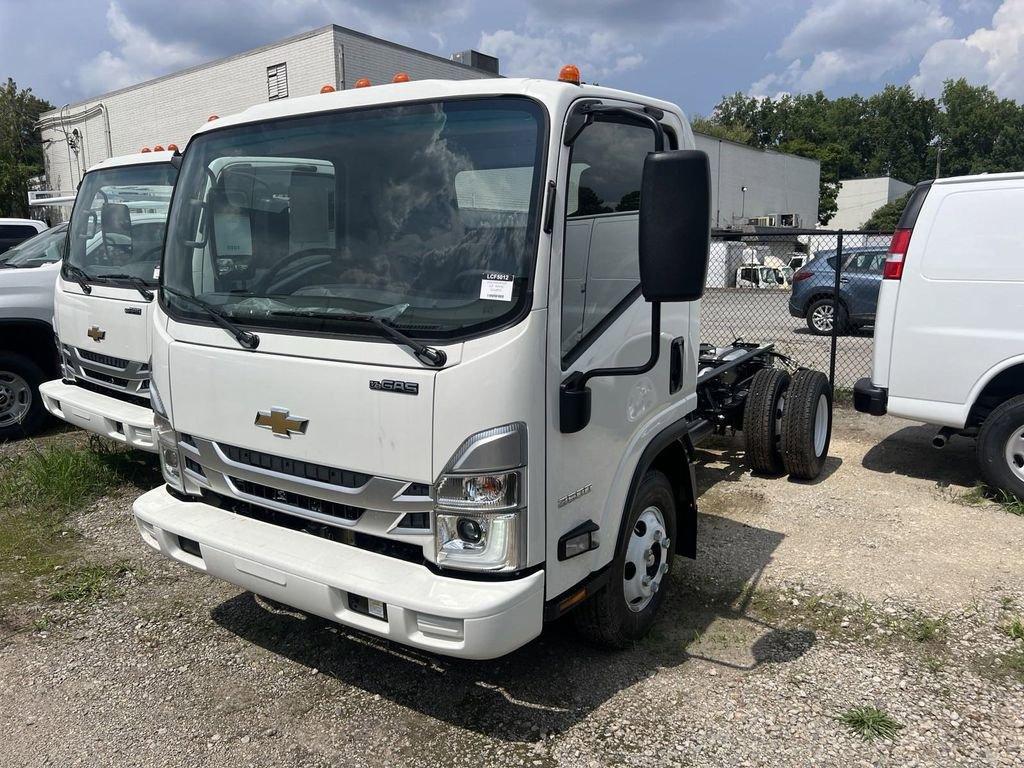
600 267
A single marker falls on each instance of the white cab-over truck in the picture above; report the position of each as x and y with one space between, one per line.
949 330
103 298
448 383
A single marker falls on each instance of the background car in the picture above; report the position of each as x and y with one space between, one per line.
14 231
44 248
812 298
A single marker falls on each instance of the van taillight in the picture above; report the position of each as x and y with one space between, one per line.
893 269
801 274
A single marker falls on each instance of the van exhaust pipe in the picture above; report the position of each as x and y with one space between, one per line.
942 437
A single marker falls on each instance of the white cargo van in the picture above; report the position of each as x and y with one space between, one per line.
949 331
101 307
449 386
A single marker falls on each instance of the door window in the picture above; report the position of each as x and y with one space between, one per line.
600 268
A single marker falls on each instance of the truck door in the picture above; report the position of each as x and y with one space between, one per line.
588 472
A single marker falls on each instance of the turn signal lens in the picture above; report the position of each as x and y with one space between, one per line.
363 82
570 73
893 269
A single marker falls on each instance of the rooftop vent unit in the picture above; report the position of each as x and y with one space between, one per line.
477 60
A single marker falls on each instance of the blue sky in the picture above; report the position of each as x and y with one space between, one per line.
688 51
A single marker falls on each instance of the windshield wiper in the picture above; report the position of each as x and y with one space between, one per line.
136 282
427 355
80 276
244 338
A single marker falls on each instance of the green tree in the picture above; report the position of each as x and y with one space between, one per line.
978 131
21 150
886 217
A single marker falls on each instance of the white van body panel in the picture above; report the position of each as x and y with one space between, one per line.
957 321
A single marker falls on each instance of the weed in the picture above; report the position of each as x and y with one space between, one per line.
1009 502
933 664
41 624
87 583
982 494
924 629
870 723
1015 629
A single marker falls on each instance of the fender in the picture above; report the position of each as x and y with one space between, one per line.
986 379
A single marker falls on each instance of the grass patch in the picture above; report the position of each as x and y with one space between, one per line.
87 584
982 494
870 723
1015 629
40 488
925 629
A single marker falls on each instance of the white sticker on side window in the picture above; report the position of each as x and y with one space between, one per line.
496 287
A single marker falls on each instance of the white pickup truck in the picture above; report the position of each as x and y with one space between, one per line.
949 336
101 305
426 360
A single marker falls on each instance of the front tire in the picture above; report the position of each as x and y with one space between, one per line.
623 610
822 314
1001 447
21 408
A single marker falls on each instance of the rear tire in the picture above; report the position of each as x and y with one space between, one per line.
762 420
21 408
1001 447
821 314
623 610
807 425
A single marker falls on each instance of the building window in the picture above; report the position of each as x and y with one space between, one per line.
277 81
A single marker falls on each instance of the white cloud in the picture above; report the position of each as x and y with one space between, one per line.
603 38
846 40
139 56
992 56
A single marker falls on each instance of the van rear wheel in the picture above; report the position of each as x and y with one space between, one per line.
1001 447
623 610
807 424
762 420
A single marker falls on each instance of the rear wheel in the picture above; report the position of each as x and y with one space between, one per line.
807 424
822 314
21 408
762 420
622 611
1001 447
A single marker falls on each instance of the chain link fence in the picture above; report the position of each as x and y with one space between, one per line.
812 293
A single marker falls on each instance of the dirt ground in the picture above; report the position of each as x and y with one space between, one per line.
884 584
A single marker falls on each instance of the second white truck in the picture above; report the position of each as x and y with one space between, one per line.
103 298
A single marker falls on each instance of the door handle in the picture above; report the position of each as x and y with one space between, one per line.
675 376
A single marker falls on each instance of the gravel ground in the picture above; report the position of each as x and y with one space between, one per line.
876 586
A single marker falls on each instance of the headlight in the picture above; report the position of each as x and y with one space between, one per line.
167 440
480 519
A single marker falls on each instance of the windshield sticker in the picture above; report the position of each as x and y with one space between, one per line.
496 287
156 272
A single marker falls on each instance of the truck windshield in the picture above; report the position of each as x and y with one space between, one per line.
117 225
424 215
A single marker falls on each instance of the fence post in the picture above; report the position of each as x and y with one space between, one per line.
835 312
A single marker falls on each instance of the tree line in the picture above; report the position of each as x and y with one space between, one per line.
895 132
21 149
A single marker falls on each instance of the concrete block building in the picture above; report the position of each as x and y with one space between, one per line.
168 109
859 198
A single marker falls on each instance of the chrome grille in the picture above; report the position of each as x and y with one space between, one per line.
106 372
109 360
296 500
295 467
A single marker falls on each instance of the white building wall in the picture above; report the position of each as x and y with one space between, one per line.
859 198
168 109
776 183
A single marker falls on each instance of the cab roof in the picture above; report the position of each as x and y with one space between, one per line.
139 158
554 94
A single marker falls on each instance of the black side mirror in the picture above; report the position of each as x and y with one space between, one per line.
116 225
675 225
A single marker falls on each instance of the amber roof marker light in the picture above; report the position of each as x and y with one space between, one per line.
363 82
327 88
570 73
401 77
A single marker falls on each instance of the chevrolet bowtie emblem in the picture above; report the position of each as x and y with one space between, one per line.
280 423
96 334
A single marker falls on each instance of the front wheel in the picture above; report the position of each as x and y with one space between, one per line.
21 407
823 314
622 611
1001 447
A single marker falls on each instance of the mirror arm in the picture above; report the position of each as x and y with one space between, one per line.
574 397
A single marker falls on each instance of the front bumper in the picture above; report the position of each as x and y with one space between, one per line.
103 415
867 398
452 616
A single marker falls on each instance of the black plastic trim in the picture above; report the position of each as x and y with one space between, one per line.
867 398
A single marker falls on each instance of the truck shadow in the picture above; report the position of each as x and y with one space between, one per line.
909 452
556 680
720 458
